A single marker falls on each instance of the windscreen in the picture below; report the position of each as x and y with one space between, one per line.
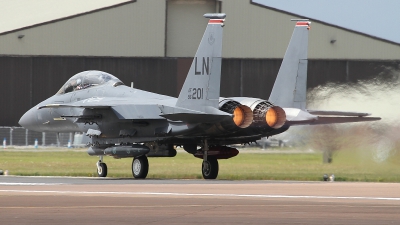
88 79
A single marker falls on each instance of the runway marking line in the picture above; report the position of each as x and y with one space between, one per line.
179 206
29 184
206 195
96 206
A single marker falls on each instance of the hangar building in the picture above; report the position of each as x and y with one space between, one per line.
152 42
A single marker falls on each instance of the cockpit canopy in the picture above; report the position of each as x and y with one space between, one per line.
88 79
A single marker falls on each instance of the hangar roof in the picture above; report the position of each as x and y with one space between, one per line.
378 19
18 14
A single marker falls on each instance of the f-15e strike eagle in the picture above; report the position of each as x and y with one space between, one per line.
127 122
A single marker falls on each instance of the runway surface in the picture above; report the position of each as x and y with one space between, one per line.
60 200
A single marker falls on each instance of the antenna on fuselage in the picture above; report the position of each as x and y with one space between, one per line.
131 84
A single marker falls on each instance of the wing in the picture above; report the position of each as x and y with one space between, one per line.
86 106
145 112
123 109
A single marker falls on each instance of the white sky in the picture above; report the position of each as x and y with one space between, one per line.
378 18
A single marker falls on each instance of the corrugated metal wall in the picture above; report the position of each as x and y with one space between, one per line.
15 88
26 81
186 25
134 30
155 28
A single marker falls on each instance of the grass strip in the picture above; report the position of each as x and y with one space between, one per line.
347 166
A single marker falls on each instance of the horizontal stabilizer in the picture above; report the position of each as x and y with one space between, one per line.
336 113
298 115
295 116
332 120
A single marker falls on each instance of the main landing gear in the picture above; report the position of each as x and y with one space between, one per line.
140 164
140 167
209 167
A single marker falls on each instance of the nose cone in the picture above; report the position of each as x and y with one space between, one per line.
29 119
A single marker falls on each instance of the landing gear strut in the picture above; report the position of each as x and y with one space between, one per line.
209 167
101 168
140 167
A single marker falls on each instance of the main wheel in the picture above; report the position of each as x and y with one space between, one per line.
102 170
140 167
210 168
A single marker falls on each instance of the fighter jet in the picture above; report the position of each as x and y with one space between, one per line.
127 122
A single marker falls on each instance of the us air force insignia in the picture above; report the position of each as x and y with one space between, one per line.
211 39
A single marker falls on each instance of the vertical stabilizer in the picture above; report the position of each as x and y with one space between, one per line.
291 83
201 89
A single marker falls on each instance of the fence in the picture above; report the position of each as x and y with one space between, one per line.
19 136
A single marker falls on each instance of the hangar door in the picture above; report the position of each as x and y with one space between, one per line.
186 25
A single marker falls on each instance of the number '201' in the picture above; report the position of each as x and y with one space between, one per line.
197 93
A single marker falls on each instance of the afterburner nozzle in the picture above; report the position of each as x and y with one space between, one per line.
242 116
275 117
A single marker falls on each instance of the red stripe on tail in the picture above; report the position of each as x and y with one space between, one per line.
216 21
302 23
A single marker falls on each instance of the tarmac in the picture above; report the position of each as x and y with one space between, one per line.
65 200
